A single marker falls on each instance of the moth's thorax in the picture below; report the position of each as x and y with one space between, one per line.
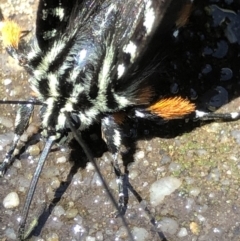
87 70
75 78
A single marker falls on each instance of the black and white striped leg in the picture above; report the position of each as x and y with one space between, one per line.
122 187
217 116
111 133
23 116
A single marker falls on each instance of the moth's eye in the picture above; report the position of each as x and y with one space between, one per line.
75 121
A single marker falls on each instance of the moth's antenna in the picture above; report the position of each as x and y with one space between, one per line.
20 102
78 137
35 221
50 141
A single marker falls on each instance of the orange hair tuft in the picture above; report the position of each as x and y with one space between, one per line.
172 108
11 33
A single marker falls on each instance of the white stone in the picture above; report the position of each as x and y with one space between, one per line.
168 225
140 234
11 200
182 233
163 187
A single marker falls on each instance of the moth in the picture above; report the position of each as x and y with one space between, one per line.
94 62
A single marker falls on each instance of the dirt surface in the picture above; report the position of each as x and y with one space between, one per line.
204 157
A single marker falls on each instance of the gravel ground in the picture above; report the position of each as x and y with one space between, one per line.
199 161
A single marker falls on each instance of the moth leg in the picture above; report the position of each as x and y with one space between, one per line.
111 133
23 117
178 108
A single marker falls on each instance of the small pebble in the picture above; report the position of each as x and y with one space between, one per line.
7 81
201 218
174 167
71 213
168 225
52 237
140 234
163 187
139 155
165 159
10 234
195 191
182 233
194 227
133 174
89 238
24 137
236 135
50 172
11 200
189 204
61 159
55 183
58 211
99 236
7 122
34 150
32 129
121 233
17 164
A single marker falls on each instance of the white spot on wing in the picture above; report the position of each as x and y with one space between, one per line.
149 17
49 34
131 49
82 54
44 14
120 70
59 12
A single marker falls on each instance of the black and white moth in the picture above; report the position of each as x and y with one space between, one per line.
90 63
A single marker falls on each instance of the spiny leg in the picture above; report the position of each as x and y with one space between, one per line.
23 117
89 155
111 133
179 108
